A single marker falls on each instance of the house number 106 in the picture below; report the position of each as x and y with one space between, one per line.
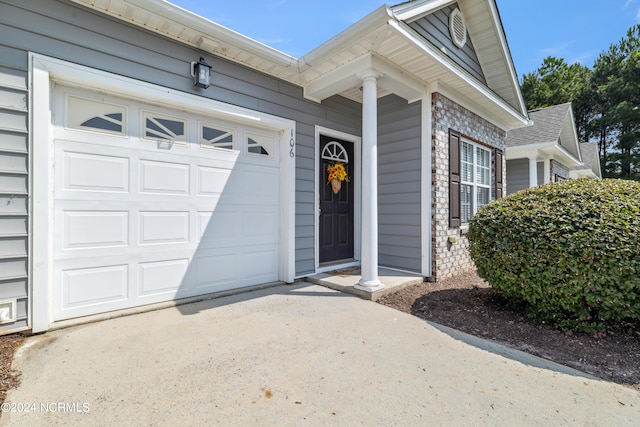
292 146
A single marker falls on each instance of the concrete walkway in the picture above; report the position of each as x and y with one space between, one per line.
296 355
344 280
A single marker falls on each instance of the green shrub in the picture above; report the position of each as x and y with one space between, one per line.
568 252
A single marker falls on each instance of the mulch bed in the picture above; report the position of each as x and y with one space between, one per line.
8 377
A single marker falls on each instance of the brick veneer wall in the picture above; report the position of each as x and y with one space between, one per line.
453 258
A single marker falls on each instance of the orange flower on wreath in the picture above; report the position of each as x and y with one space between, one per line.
337 171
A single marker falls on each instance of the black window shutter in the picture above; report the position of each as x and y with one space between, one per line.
497 178
454 178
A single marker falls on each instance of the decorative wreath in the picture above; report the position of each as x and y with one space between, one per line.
337 171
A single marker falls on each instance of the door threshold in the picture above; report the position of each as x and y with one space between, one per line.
336 265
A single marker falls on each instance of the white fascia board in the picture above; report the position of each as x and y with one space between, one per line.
595 166
542 150
514 153
583 173
411 11
569 159
528 147
495 15
571 122
455 96
407 32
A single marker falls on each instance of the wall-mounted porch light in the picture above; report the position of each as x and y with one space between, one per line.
201 72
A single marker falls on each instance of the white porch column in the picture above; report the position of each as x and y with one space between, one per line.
547 171
533 172
369 262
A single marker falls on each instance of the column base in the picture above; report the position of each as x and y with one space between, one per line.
369 285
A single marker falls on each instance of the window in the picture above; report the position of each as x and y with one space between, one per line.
160 127
215 136
475 179
95 115
259 145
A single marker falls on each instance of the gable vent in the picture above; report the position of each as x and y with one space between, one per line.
458 28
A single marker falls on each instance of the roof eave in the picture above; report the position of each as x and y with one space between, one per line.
367 25
507 55
212 35
571 122
510 116
543 149
583 173
409 11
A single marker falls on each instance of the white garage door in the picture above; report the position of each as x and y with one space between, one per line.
152 204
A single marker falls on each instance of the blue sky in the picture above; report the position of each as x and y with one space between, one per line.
576 30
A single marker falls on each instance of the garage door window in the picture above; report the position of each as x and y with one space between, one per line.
215 136
260 145
97 116
162 127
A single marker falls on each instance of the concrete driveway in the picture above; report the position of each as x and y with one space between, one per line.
295 355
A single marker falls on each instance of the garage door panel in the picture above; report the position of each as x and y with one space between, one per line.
164 178
90 172
216 182
260 264
214 269
219 228
259 186
260 225
90 286
156 227
95 229
162 276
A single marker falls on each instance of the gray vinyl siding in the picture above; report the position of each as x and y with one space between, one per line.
435 29
518 174
399 183
14 187
63 30
540 172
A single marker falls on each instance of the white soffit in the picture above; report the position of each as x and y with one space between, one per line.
410 11
179 24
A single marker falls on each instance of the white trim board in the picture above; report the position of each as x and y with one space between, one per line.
44 71
426 206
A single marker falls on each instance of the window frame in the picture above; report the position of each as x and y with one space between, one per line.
474 184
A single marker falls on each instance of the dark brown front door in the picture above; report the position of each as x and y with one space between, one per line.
336 210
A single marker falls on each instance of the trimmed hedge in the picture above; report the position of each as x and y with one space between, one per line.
568 252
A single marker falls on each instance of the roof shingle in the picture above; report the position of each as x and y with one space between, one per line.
547 126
